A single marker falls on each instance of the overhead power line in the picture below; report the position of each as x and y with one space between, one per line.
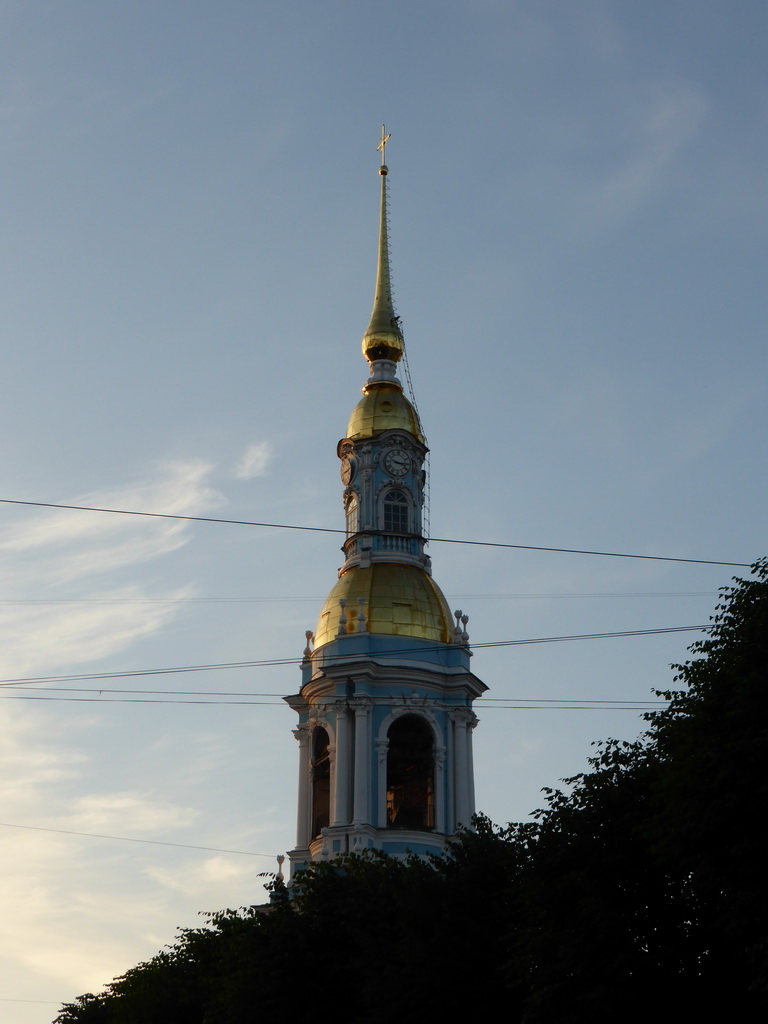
491 705
44 1002
137 700
249 693
319 598
327 529
398 652
129 839
591 636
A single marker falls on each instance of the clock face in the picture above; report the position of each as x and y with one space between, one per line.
348 468
397 462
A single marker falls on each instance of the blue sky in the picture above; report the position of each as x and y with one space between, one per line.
188 215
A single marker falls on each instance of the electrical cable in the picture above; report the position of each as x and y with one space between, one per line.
129 839
45 1002
226 693
623 706
138 700
275 662
327 529
318 599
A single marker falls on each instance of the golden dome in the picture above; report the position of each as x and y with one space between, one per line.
383 407
382 342
400 600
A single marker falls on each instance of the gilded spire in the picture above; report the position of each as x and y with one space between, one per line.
383 339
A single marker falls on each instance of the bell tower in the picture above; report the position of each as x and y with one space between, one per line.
385 705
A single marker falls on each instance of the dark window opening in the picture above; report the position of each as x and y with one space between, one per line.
321 782
396 512
410 774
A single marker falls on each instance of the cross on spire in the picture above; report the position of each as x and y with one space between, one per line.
383 144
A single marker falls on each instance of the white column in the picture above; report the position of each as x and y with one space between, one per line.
461 718
449 777
361 800
382 746
302 818
331 783
439 795
471 764
341 777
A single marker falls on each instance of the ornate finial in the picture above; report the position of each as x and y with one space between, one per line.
342 617
361 615
457 630
383 339
460 634
310 636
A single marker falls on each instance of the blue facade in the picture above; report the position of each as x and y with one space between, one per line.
355 691
385 705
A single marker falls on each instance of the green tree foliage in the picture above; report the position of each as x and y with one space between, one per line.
712 748
647 876
639 888
375 933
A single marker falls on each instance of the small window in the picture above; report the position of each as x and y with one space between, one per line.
352 511
321 782
396 512
410 774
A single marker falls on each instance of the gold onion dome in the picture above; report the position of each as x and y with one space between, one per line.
384 596
383 407
399 600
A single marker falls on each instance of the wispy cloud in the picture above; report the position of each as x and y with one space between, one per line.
128 813
199 875
52 880
28 765
77 587
177 488
57 609
659 129
254 460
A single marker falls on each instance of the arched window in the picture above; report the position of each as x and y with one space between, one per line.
410 774
396 511
321 782
352 510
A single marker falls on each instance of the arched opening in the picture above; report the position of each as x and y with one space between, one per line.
352 511
321 782
396 507
410 774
